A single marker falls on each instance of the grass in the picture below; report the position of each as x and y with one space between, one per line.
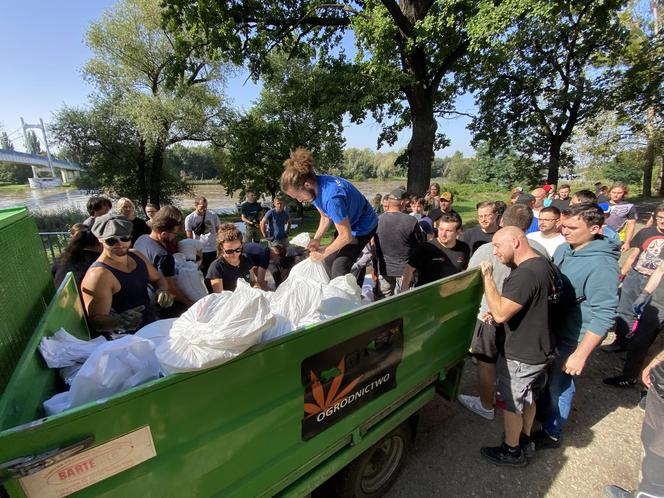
10 187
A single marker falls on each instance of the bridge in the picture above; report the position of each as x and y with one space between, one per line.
68 170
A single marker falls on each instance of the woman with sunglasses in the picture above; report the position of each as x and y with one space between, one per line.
230 264
337 200
115 288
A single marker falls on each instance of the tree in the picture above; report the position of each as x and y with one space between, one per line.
459 169
198 162
154 100
111 149
5 143
32 145
294 110
506 168
404 72
543 76
625 167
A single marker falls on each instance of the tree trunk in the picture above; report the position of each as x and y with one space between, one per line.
420 147
554 162
647 168
155 173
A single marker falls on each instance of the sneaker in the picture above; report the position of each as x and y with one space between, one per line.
644 398
614 347
474 404
504 456
619 381
613 491
543 441
527 444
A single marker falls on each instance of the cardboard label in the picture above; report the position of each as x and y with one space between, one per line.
347 376
91 466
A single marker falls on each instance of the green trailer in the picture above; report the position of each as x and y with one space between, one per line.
280 419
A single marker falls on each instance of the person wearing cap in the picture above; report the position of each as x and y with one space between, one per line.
115 288
337 200
642 260
446 200
397 236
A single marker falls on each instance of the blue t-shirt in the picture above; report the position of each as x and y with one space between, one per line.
257 254
276 223
339 199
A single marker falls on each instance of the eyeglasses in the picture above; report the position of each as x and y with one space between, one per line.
231 251
660 218
116 240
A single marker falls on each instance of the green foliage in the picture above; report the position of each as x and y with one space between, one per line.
626 167
542 75
14 173
505 168
58 221
5 143
294 110
460 169
196 163
32 145
146 102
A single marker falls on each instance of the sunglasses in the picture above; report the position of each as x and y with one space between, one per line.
116 240
231 251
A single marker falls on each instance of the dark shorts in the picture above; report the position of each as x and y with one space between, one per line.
488 341
518 383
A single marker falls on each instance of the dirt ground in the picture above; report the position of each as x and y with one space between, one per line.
601 445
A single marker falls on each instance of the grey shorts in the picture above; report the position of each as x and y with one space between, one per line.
518 383
488 340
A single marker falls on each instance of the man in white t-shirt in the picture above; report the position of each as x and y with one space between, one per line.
549 230
202 225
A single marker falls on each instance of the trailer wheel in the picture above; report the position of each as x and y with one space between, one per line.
373 472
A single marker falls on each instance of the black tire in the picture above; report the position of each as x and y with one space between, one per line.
373 473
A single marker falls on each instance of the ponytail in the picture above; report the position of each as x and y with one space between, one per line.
299 169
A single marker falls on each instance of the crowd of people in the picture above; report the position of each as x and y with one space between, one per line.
549 260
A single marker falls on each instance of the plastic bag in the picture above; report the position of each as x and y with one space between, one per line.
342 294
190 280
315 270
113 367
215 329
190 248
301 239
64 350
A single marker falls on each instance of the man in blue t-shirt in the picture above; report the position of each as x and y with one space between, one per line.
276 223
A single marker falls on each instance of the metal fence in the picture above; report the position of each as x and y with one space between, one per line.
54 243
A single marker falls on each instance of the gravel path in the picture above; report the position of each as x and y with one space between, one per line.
601 445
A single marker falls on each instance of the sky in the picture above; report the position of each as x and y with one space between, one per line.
44 52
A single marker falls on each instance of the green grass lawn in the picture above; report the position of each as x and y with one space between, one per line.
9 187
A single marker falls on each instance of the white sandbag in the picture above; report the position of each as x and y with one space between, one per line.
157 331
295 303
190 280
342 294
190 248
64 350
301 239
216 329
113 367
315 270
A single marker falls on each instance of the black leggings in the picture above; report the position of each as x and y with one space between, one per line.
340 262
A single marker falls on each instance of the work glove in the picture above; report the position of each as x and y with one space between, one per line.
131 319
640 303
164 298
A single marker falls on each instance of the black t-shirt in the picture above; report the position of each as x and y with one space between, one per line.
649 241
476 237
258 254
560 203
397 235
229 274
528 336
433 261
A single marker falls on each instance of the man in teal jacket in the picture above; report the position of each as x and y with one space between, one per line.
589 262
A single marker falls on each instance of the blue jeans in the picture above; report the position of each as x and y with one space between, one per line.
561 392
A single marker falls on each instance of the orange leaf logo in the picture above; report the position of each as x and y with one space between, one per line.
323 402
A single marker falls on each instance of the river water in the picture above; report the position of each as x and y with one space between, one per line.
56 199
